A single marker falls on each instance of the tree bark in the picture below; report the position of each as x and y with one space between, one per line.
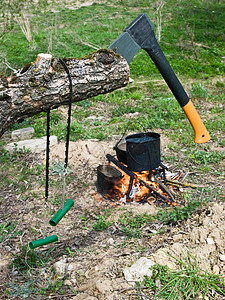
44 84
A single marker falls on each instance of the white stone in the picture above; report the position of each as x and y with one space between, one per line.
60 267
67 282
177 237
216 269
201 297
70 267
91 118
22 134
222 257
210 241
34 145
110 241
3 263
139 269
74 281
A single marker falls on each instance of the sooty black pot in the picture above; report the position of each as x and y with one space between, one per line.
140 151
107 178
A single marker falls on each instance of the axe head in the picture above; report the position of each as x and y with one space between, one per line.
133 38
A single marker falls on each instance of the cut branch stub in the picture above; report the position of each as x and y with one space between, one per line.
44 84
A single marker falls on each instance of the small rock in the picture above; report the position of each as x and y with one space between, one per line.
74 281
210 241
110 241
86 274
22 134
70 267
73 275
67 282
91 118
222 257
216 269
60 267
139 269
4 263
34 145
152 230
177 238
203 298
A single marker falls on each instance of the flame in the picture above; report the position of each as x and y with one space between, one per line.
138 193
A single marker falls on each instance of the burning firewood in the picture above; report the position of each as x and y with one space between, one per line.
138 186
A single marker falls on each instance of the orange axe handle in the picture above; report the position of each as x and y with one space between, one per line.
201 133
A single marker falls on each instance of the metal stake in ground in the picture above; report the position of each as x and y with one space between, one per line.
69 203
47 240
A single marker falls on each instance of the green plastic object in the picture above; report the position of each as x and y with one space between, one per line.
61 213
41 242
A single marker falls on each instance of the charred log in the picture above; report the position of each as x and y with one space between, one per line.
44 84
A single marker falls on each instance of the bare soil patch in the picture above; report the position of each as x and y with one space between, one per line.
93 267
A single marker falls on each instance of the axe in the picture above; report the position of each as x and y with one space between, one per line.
140 35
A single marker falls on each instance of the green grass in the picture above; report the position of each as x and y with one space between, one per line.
28 259
101 223
201 22
8 230
130 224
70 28
188 282
16 171
178 213
206 157
27 262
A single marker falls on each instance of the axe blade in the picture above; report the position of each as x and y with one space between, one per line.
125 46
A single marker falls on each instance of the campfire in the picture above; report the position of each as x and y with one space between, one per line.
136 173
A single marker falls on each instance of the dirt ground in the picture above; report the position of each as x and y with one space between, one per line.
94 266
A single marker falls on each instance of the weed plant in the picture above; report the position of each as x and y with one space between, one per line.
130 224
178 213
28 259
101 223
8 230
199 91
28 263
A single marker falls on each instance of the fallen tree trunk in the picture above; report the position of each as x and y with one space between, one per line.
44 84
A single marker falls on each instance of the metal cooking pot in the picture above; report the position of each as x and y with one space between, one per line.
140 151
121 151
107 178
